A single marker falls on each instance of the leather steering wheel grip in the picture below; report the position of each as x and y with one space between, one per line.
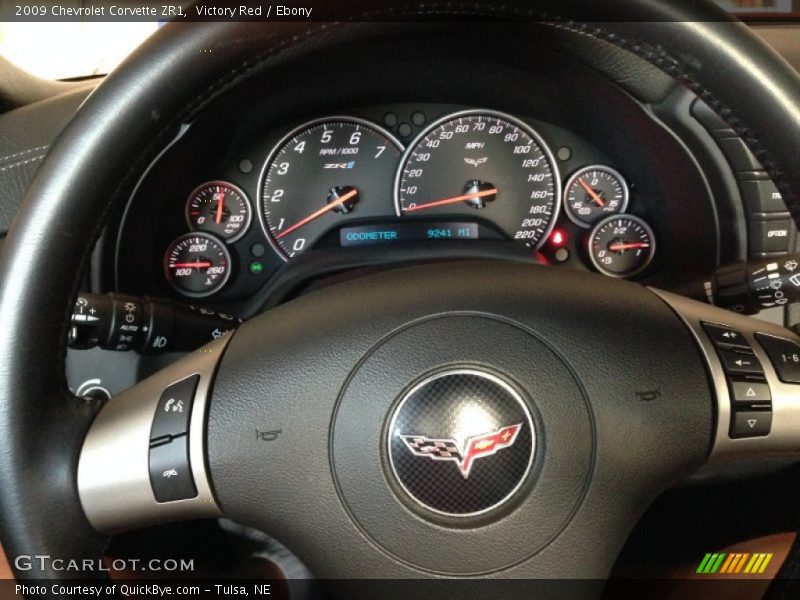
169 79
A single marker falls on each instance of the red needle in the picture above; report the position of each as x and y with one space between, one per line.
192 265
318 213
452 200
631 246
595 196
220 204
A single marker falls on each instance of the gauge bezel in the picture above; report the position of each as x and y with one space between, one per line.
221 284
535 135
239 191
574 177
262 218
600 224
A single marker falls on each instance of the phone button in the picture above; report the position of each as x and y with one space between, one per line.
173 410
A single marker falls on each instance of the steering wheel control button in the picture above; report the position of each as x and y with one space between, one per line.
761 196
771 236
749 392
784 355
461 442
740 363
725 337
174 407
750 423
170 475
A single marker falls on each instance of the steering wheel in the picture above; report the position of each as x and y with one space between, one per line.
451 420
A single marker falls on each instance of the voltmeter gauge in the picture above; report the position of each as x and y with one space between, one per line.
197 265
220 208
594 192
621 245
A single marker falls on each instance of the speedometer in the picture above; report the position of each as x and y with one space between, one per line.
484 164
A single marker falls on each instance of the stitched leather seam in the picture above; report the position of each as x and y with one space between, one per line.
22 162
23 152
673 67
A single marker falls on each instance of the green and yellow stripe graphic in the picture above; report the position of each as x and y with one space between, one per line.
734 563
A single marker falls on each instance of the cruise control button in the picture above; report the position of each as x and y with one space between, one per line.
740 363
748 392
173 409
784 355
750 423
725 336
170 474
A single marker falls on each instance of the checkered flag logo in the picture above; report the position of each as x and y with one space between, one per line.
477 446
436 449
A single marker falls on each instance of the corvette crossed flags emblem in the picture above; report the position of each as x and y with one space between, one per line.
475 447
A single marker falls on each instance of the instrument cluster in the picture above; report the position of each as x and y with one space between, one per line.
349 181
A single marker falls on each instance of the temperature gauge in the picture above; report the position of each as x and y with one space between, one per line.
197 265
594 192
220 208
621 246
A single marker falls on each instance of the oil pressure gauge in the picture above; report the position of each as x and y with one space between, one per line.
594 192
621 245
220 208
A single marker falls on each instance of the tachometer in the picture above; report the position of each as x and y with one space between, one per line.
322 173
483 164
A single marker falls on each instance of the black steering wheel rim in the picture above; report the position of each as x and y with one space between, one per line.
134 111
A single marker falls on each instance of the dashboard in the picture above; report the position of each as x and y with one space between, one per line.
279 184
344 181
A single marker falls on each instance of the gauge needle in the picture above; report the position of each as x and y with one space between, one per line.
220 205
595 196
631 246
341 200
452 200
192 265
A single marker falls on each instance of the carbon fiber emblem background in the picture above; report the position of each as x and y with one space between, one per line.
461 442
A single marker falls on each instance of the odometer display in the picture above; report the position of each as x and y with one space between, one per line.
486 165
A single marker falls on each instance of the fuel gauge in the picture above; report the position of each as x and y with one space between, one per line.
621 245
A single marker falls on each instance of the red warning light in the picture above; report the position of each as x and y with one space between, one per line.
558 238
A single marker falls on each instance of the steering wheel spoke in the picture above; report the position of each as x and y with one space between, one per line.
754 367
144 457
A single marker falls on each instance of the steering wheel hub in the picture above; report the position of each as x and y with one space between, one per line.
461 442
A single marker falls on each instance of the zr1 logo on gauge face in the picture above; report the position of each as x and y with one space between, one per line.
475 447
